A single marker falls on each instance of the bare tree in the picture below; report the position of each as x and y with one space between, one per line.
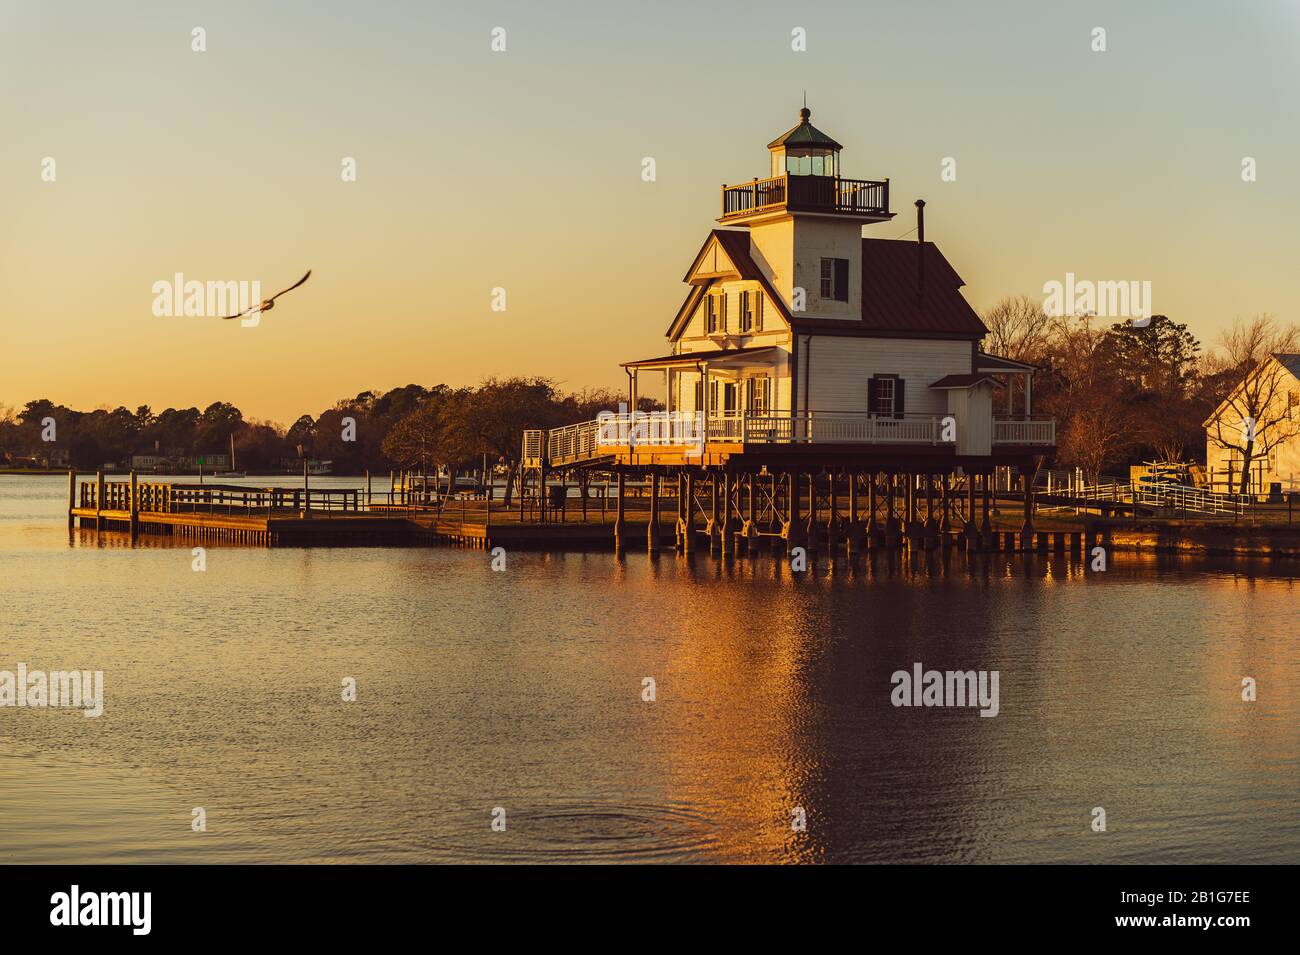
1256 415
1018 328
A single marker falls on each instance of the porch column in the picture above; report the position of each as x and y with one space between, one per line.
1029 377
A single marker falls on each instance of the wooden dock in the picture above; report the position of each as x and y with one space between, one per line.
223 513
234 514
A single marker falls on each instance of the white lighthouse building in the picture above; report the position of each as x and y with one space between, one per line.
799 334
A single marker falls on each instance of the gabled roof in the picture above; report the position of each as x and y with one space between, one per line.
735 244
889 291
1288 360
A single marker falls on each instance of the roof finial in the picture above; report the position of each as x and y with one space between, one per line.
805 114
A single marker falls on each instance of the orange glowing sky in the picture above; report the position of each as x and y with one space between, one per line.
522 170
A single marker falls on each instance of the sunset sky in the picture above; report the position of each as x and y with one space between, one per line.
522 169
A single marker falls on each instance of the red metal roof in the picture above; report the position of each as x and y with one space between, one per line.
889 290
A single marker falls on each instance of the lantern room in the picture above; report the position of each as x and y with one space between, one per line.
805 150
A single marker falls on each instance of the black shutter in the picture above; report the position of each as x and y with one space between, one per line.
841 280
898 397
873 399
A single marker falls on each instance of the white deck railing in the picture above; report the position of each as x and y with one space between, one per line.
832 427
692 431
1037 431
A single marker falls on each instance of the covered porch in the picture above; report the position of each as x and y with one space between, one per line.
718 384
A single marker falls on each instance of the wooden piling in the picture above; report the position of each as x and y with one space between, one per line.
1027 528
652 528
794 535
688 523
99 501
135 507
620 527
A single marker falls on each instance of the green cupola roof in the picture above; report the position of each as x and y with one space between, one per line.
805 134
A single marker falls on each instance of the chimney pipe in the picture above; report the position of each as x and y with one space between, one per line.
920 250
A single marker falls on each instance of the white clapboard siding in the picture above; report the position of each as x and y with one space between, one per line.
973 409
841 368
769 317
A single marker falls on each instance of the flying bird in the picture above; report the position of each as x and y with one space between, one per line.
268 303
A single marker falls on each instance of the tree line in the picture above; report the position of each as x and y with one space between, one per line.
1123 393
412 427
1120 394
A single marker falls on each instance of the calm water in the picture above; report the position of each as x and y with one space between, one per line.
522 690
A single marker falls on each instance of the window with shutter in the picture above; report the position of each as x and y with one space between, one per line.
746 311
885 395
835 280
841 280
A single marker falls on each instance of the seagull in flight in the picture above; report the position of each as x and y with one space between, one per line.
269 303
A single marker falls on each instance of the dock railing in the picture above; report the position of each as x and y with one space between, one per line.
229 499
